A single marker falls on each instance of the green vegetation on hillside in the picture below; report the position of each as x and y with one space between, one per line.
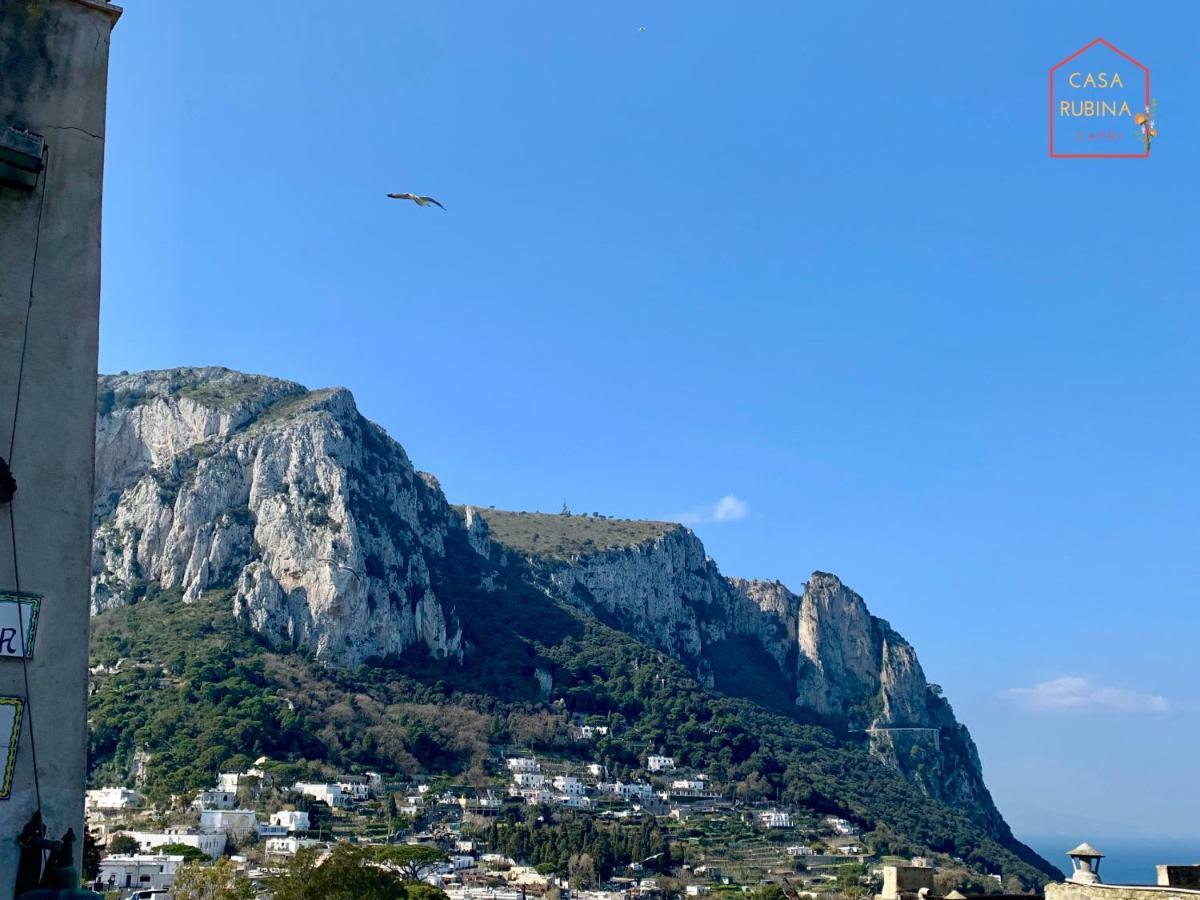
190 690
562 536
580 844
198 693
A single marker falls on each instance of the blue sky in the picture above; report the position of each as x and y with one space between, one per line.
813 259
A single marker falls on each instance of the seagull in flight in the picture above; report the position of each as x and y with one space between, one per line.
417 199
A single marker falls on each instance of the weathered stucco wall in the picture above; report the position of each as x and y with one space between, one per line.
1070 891
54 56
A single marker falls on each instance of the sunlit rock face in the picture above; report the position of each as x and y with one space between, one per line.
309 516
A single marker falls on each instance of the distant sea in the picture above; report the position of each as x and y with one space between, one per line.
1126 860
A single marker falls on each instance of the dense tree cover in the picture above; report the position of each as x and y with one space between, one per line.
199 693
742 743
218 881
350 873
189 853
555 841
191 691
123 844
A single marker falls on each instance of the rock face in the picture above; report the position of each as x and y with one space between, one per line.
830 656
325 537
311 517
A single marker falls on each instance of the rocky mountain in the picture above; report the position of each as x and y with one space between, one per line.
207 478
315 528
820 652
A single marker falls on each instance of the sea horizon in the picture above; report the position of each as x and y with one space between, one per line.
1127 859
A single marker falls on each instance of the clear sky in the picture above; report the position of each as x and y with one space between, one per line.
800 274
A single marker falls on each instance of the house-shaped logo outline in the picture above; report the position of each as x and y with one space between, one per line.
1058 65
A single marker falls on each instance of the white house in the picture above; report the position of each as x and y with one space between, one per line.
356 787
537 796
634 791
595 770
113 800
589 732
211 844
529 779
270 831
486 804
144 871
569 784
849 849
237 823
288 846
291 819
660 763
800 850
254 776
523 764
329 794
687 787
775 818
841 826
695 890
215 800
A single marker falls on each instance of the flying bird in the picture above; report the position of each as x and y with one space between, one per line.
417 199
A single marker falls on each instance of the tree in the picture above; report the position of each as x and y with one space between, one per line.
582 868
419 890
356 873
91 856
122 844
959 878
220 881
411 859
850 881
189 853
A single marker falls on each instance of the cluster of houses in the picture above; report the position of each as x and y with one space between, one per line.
222 821
589 787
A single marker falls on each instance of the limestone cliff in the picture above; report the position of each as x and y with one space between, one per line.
826 654
324 537
311 517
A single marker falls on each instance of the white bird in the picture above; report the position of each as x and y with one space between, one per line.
417 199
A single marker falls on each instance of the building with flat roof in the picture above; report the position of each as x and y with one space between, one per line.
210 843
142 871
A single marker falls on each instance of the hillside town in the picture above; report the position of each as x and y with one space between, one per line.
256 824
259 822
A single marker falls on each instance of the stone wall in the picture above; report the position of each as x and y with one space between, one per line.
1070 891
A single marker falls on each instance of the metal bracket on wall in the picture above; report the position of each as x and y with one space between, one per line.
22 157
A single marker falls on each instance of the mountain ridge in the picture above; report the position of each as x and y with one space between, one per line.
327 540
